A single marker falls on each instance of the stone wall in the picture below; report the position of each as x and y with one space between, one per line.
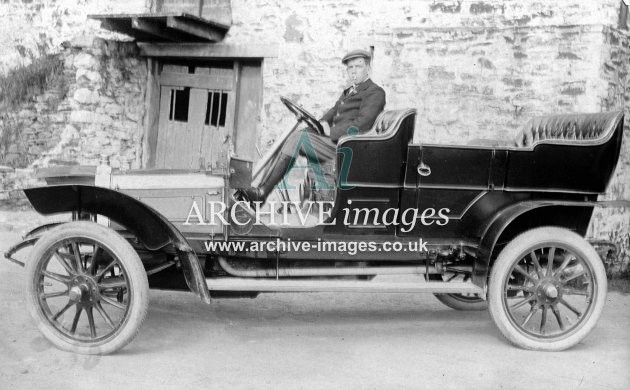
105 106
31 28
98 120
614 224
472 68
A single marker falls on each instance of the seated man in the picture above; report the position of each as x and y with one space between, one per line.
357 108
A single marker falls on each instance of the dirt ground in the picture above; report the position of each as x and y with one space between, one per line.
304 341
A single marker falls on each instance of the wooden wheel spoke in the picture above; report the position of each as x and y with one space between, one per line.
573 277
55 276
521 271
523 302
75 321
112 302
552 252
90 316
102 272
570 307
556 313
104 314
543 319
77 256
61 260
539 269
533 310
60 312
573 291
567 260
54 294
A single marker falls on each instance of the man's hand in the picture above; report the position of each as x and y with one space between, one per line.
326 127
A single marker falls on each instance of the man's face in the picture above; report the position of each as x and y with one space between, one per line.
357 70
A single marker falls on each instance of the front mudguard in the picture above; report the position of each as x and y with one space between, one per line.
147 224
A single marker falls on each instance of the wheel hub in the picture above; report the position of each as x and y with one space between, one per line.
547 291
551 292
83 290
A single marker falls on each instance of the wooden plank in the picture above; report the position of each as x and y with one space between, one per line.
175 68
200 50
152 108
196 117
165 102
195 28
210 21
222 141
152 28
250 92
195 80
207 138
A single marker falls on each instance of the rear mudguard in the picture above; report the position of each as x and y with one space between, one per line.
502 220
151 228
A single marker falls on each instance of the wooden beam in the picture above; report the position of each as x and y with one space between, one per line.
196 81
151 28
201 50
152 109
194 28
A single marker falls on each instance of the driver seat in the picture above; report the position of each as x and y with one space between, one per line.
385 124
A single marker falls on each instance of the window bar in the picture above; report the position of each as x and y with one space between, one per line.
211 95
219 110
171 113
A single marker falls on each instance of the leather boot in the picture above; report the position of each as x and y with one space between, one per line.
260 193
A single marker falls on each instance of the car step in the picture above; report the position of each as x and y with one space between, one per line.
296 285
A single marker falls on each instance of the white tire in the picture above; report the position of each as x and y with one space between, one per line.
91 303
547 308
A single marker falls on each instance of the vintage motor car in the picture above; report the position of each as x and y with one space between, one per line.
494 224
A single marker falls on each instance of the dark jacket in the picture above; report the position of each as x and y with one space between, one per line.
358 109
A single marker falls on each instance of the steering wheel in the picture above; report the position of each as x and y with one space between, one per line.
302 115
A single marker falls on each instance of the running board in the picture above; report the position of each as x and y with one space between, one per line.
360 286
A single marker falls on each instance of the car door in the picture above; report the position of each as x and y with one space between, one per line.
447 179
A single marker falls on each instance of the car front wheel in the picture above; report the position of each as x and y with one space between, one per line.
86 288
547 289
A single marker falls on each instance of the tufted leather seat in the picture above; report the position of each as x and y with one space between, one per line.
570 127
573 128
386 121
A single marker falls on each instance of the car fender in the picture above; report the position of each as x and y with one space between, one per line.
502 220
151 228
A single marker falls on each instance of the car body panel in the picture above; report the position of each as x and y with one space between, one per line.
489 194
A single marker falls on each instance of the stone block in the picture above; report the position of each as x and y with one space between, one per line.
86 96
82 116
86 61
82 41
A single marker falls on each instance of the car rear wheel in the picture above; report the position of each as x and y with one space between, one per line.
464 302
547 289
86 288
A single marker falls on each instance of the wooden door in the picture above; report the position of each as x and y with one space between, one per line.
196 118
